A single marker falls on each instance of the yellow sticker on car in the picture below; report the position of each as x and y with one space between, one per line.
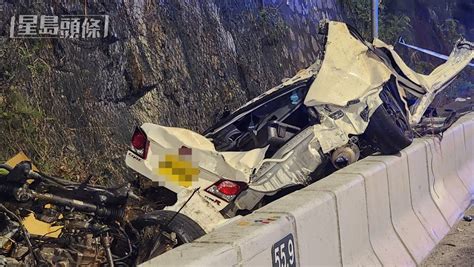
178 169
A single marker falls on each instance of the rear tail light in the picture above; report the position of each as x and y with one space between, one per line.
139 144
226 190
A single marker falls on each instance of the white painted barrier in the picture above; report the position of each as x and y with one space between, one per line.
317 236
251 239
440 195
384 239
405 222
352 221
464 140
423 202
383 210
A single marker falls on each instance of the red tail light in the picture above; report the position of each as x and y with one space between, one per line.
139 140
139 143
226 190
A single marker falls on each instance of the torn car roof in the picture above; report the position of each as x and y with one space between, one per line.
348 72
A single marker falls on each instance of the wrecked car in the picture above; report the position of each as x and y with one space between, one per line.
49 221
357 97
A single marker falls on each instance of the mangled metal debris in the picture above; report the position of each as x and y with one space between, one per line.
47 221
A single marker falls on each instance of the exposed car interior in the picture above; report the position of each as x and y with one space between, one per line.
270 121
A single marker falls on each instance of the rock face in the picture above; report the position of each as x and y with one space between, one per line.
73 104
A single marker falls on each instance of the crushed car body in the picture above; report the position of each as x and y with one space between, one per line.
279 139
352 98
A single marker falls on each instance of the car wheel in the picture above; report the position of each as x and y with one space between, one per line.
162 230
389 130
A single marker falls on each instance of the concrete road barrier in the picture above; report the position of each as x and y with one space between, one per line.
319 244
352 221
383 210
445 166
405 222
444 174
198 254
422 200
384 239
251 238
443 199
464 140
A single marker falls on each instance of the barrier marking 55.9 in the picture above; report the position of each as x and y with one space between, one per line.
284 252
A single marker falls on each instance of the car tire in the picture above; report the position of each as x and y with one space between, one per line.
185 228
389 129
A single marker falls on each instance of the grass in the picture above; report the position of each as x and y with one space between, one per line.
273 25
27 127
391 24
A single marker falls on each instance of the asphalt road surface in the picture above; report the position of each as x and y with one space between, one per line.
457 247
